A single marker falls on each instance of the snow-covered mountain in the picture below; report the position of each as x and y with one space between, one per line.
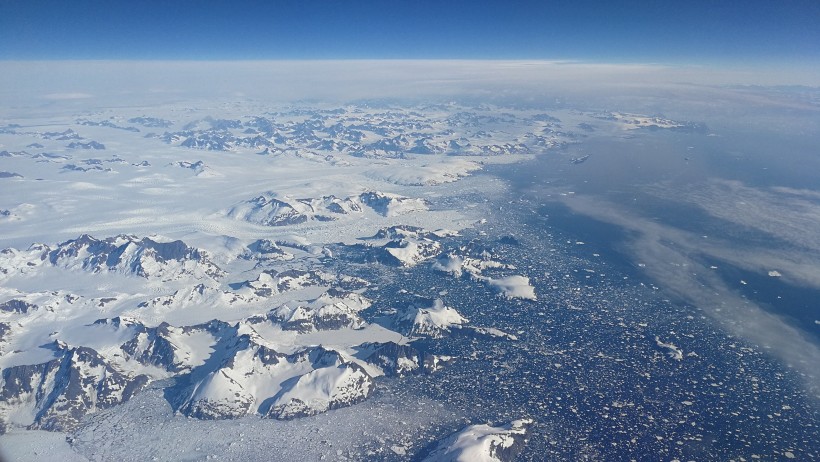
272 282
175 349
403 245
396 360
265 249
198 295
320 390
334 309
391 205
56 394
428 318
146 257
462 263
483 443
249 378
271 210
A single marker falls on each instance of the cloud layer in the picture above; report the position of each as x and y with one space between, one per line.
140 82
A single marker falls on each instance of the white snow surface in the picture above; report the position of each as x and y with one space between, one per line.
35 446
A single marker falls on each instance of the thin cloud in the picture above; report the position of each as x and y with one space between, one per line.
667 254
67 96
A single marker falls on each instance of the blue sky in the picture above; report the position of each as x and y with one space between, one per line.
675 32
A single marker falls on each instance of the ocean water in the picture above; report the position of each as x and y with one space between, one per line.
655 176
